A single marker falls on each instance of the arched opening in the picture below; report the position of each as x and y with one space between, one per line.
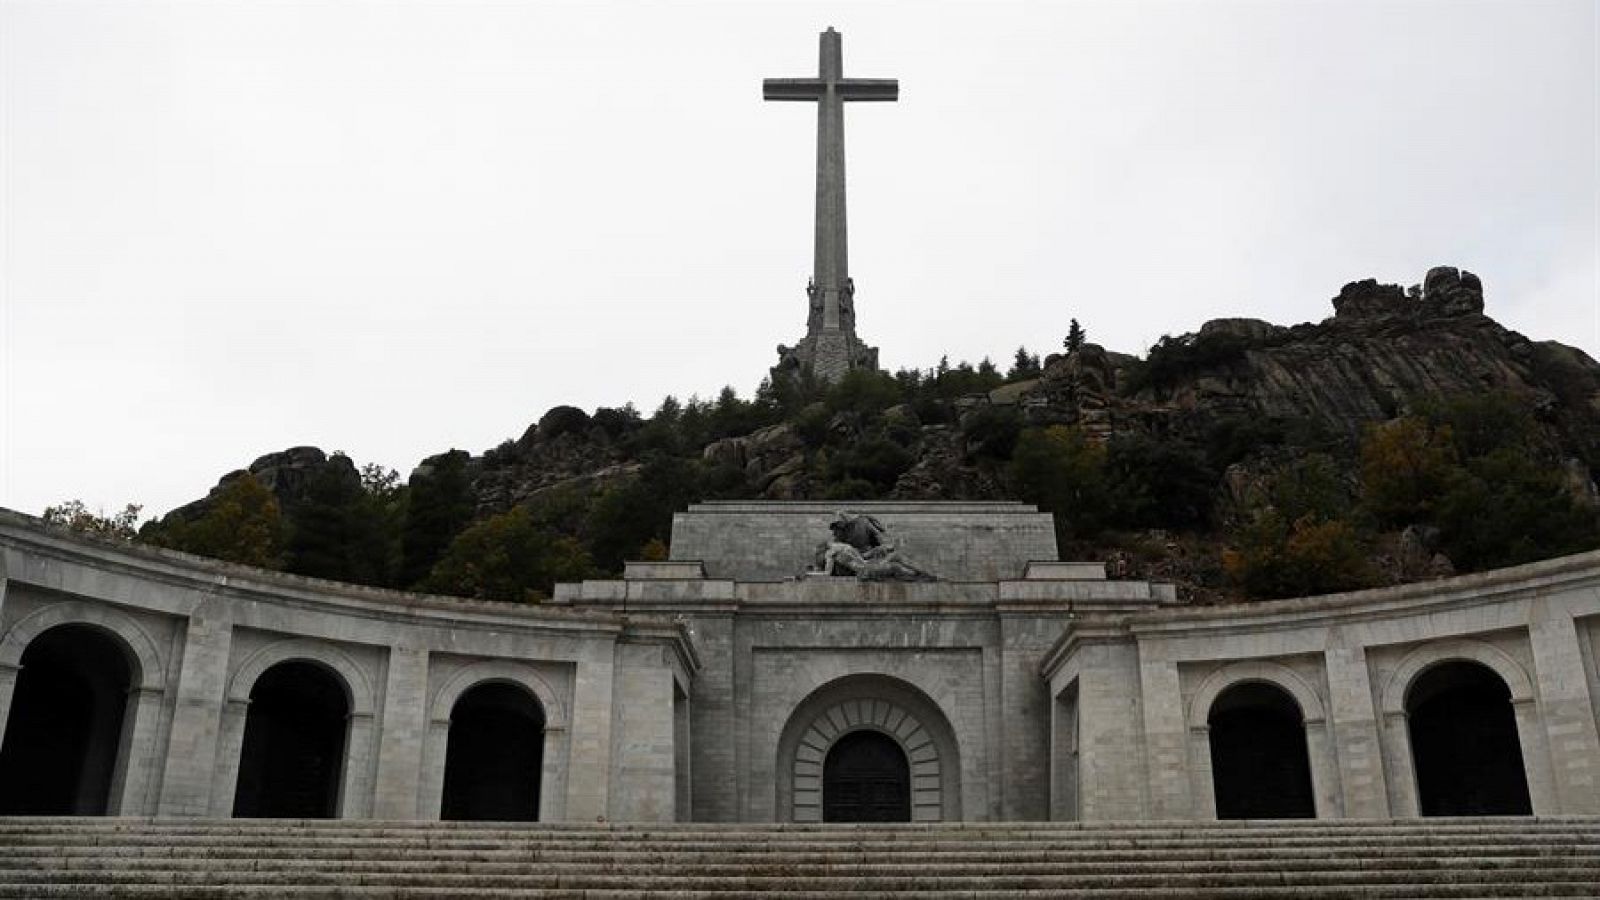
890 707
64 734
294 737
1464 743
1259 765
866 778
494 755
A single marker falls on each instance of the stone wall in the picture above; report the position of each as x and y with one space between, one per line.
198 633
1143 685
675 694
958 660
775 541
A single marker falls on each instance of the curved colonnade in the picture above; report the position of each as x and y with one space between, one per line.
136 681
1475 695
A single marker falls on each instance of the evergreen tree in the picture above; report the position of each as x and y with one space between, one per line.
508 557
339 529
1075 337
1064 472
241 523
1024 365
438 505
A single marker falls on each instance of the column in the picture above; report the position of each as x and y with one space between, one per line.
186 785
138 762
589 765
8 689
355 792
642 785
1024 737
405 728
1353 729
1166 741
1567 711
1112 778
230 749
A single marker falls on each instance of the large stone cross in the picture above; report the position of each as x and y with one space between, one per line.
831 291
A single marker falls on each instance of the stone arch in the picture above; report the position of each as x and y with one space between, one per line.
1398 753
138 758
1435 652
355 782
500 670
1274 673
553 765
879 703
149 674
356 683
1313 712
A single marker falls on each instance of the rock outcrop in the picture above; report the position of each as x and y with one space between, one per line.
1385 352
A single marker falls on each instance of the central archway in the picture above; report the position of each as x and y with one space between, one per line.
866 778
870 738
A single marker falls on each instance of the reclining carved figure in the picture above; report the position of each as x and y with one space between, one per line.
862 547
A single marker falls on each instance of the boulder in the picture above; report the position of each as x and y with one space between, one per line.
1449 292
1368 300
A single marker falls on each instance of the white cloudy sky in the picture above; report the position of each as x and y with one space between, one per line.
391 228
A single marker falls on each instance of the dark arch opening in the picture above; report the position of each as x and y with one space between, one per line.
64 734
1259 765
494 755
294 738
866 778
1464 743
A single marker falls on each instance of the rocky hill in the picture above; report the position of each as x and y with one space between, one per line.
1168 465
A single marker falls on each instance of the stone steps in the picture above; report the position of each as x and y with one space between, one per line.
145 858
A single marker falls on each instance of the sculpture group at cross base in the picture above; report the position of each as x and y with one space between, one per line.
861 547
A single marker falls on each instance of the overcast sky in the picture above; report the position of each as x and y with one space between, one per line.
395 228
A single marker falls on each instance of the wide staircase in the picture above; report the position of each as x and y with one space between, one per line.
1546 857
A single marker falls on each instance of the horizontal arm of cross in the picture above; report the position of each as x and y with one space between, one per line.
814 88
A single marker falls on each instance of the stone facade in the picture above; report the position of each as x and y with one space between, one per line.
198 635
714 688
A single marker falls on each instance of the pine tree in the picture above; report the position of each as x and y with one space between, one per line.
1075 337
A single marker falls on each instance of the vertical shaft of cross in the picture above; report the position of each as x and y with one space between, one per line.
830 347
830 264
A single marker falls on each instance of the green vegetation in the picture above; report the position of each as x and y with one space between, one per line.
1501 498
1301 538
439 504
74 515
242 523
1064 472
1273 507
508 557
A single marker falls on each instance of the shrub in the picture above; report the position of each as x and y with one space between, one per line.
1160 483
508 557
991 431
1065 473
1278 557
1406 467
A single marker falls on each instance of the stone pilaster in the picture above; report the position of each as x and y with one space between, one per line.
589 767
186 785
405 728
1566 709
1353 727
